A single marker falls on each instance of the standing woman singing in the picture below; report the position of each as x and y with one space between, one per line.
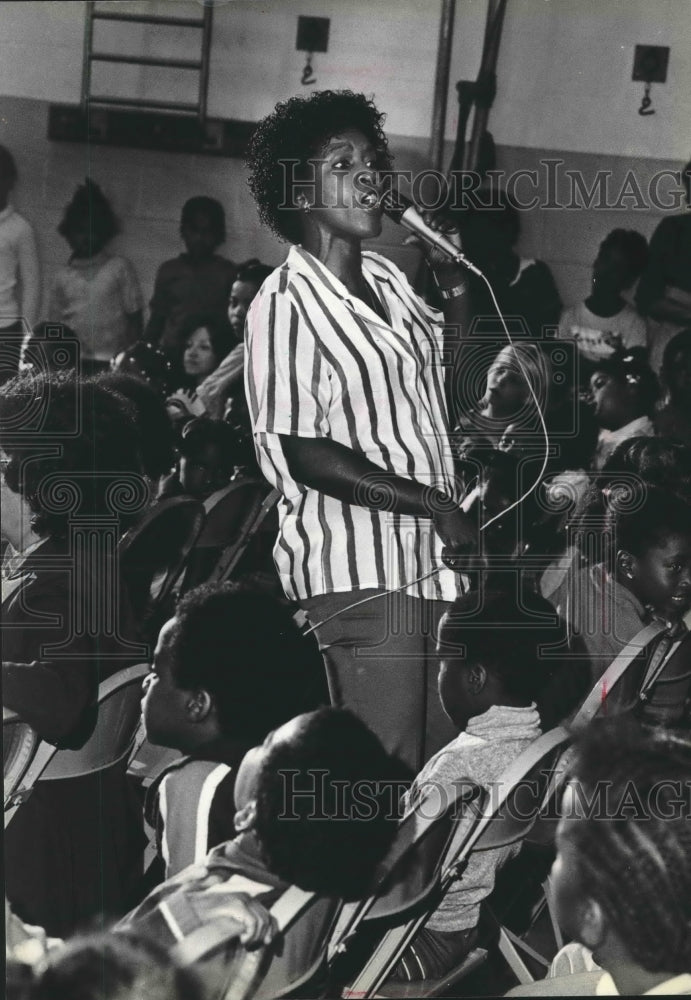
345 385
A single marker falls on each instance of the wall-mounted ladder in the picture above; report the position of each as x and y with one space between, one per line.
199 65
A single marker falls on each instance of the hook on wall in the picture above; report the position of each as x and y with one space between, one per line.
308 76
645 108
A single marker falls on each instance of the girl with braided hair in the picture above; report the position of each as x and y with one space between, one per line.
621 880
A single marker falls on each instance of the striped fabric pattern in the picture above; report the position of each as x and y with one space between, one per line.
321 363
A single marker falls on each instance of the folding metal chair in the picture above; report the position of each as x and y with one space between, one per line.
153 553
507 814
408 880
234 515
118 716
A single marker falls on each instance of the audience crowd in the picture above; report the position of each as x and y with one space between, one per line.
256 810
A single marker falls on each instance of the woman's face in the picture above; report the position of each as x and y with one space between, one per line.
241 295
507 389
344 201
199 359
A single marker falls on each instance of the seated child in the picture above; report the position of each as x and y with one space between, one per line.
96 293
198 281
621 881
207 459
228 377
20 279
604 322
624 391
674 418
289 792
508 400
642 571
492 694
227 669
206 342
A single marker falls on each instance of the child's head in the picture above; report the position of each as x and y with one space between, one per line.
623 388
229 664
621 880
8 175
320 796
490 651
207 456
249 279
206 341
676 368
114 966
88 224
202 226
652 549
514 370
621 259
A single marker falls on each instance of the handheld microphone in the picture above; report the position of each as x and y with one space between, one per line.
403 212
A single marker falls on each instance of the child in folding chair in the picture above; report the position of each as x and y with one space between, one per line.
227 669
641 572
621 881
303 825
492 680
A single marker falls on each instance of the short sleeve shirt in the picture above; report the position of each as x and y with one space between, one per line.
321 364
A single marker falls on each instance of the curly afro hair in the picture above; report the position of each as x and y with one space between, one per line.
247 652
327 805
98 457
293 134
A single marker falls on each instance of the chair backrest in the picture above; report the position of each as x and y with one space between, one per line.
19 745
116 724
502 817
409 874
153 553
233 516
514 802
303 921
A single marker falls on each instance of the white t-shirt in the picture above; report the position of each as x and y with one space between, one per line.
95 297
18 263
597 337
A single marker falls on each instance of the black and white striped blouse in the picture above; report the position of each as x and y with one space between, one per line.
320 363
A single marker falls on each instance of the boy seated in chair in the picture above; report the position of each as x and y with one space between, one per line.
227 669
301 823
493 684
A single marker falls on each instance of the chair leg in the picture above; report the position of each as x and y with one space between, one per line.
549 898
513 959
382 960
